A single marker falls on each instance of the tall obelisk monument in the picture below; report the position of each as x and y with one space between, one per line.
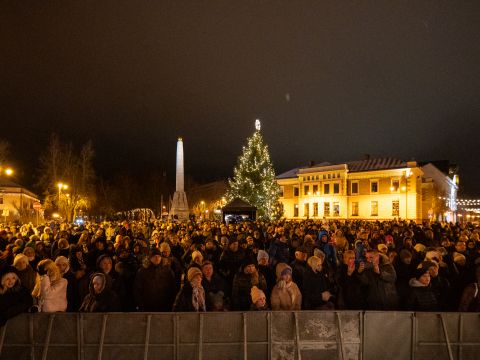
179 207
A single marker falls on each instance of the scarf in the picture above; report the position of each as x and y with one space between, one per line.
198 299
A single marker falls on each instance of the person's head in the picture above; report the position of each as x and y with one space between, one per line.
98 283
301 254
9 278
262 258
258 297
422 274
49 268
62 263
29 252
207 269
284 272
155 256
459 259
405 256
460 247
372 256
433 269
348 257
105 264
197 257
165 249
249 240
315 263
233 245
20 262
194 276
209 244
249 266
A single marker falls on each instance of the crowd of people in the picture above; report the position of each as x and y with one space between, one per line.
212 266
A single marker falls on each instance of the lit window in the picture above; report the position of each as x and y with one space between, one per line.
374 186
281 191
336 209
354 208
295 210
326 209
307 209
295 191
315 189
395 208
315 209
395 185
374 208
306 189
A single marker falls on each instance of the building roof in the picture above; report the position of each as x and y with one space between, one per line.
6 182
238 204
375 164
353 166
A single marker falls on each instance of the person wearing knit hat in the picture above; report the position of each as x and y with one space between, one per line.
421 296
197 257
191 296
420 248
382 248
262 254
459 259
25 272
285 295
243 281
259 300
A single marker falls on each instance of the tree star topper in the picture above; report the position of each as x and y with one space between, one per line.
258 125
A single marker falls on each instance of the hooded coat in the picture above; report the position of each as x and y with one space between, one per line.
242 285
14 301
105 301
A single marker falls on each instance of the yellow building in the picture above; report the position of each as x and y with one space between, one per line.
372 189
16 202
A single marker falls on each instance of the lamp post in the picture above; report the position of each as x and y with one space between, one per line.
408 172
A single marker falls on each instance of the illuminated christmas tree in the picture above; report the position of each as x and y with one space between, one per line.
254 178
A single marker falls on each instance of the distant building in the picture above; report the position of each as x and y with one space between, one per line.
371 189
16 202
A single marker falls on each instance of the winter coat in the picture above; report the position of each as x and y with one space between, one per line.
106 301
183 301
73 295
470 300
53 297
286 299
154 288
351 296
380 289
242 285
13 302
270 278
421 297
299 268
314 284
28 277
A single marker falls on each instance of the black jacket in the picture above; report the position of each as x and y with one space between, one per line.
13 302
154 288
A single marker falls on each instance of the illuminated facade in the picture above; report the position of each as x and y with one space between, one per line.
16 202
372 189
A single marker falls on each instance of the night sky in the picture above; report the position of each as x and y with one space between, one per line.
330 80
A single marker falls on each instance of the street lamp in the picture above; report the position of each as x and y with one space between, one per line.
60 186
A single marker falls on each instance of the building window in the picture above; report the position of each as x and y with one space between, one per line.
395 185
282 189
295 191
336 209
355 187
354 208
329 176
326 209
326 188
1 199
374 208
374 186
336 188
306 189
315 209
395 208
307 209
315 189
324 176
295 210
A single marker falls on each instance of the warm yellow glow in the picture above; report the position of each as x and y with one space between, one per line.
60 185
202 202
8 171
404 188
55 215
65 186
392 188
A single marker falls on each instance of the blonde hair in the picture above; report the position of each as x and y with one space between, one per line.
348 254
53 272
3 288
313 261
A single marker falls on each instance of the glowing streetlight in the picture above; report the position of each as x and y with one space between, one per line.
9 171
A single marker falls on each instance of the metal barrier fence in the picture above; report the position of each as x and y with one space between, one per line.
235 335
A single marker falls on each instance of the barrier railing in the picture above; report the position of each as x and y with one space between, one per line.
236 335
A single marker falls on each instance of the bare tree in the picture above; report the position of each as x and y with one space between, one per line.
4 151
